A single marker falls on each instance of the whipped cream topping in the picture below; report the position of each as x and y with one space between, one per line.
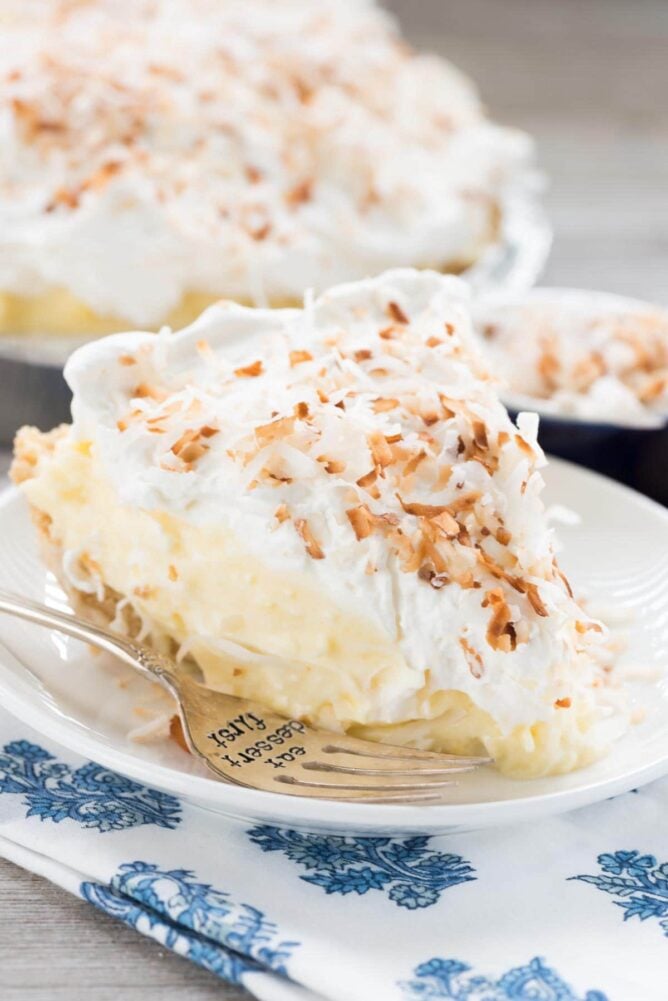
581 354
245 149
360 442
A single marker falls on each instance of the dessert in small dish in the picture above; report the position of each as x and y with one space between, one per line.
158 155
577 354
329 510
595 367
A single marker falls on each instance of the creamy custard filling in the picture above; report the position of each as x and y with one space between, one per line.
331 512
59 312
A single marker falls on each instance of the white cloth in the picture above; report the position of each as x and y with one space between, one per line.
573 908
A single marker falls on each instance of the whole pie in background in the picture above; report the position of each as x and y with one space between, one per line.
157 155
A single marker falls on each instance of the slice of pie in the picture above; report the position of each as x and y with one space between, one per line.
156 156
330 511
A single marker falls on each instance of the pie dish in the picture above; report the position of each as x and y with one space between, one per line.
329 510
594 366
159 155
579 354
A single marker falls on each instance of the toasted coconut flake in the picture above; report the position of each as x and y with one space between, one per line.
446 524
653 389
189 447
535 600
146 391
301 411
380 450
300 193
281 513
101 177
121 425
205 351
275 430
192 452
396 312
433 342
331 465
254 174
413 463
273 477
501 633
429 575
172 572
387 333
422 510
524 446
383 404
585 627
562 703
473 658
368 483
500 573
448 408
564 579
127 360
250 371
403 548
480 434
502 438
443 478
299 356
261 232
312 546
362 521
363 354
503 536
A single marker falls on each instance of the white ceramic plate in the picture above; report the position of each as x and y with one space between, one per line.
618 555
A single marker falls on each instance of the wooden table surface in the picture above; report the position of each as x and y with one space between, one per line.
589 79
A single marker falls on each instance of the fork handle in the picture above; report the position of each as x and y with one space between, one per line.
145 660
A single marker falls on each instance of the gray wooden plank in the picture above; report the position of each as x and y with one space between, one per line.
55 947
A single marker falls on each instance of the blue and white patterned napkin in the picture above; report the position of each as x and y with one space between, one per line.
569 909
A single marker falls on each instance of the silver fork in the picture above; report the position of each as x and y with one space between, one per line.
245 743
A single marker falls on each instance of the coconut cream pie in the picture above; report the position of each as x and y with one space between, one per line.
157 155
331 512
583 354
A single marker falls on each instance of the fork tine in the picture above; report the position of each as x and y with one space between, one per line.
355 782
367 749
387 767
427 793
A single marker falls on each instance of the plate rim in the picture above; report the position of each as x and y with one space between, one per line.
238 802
